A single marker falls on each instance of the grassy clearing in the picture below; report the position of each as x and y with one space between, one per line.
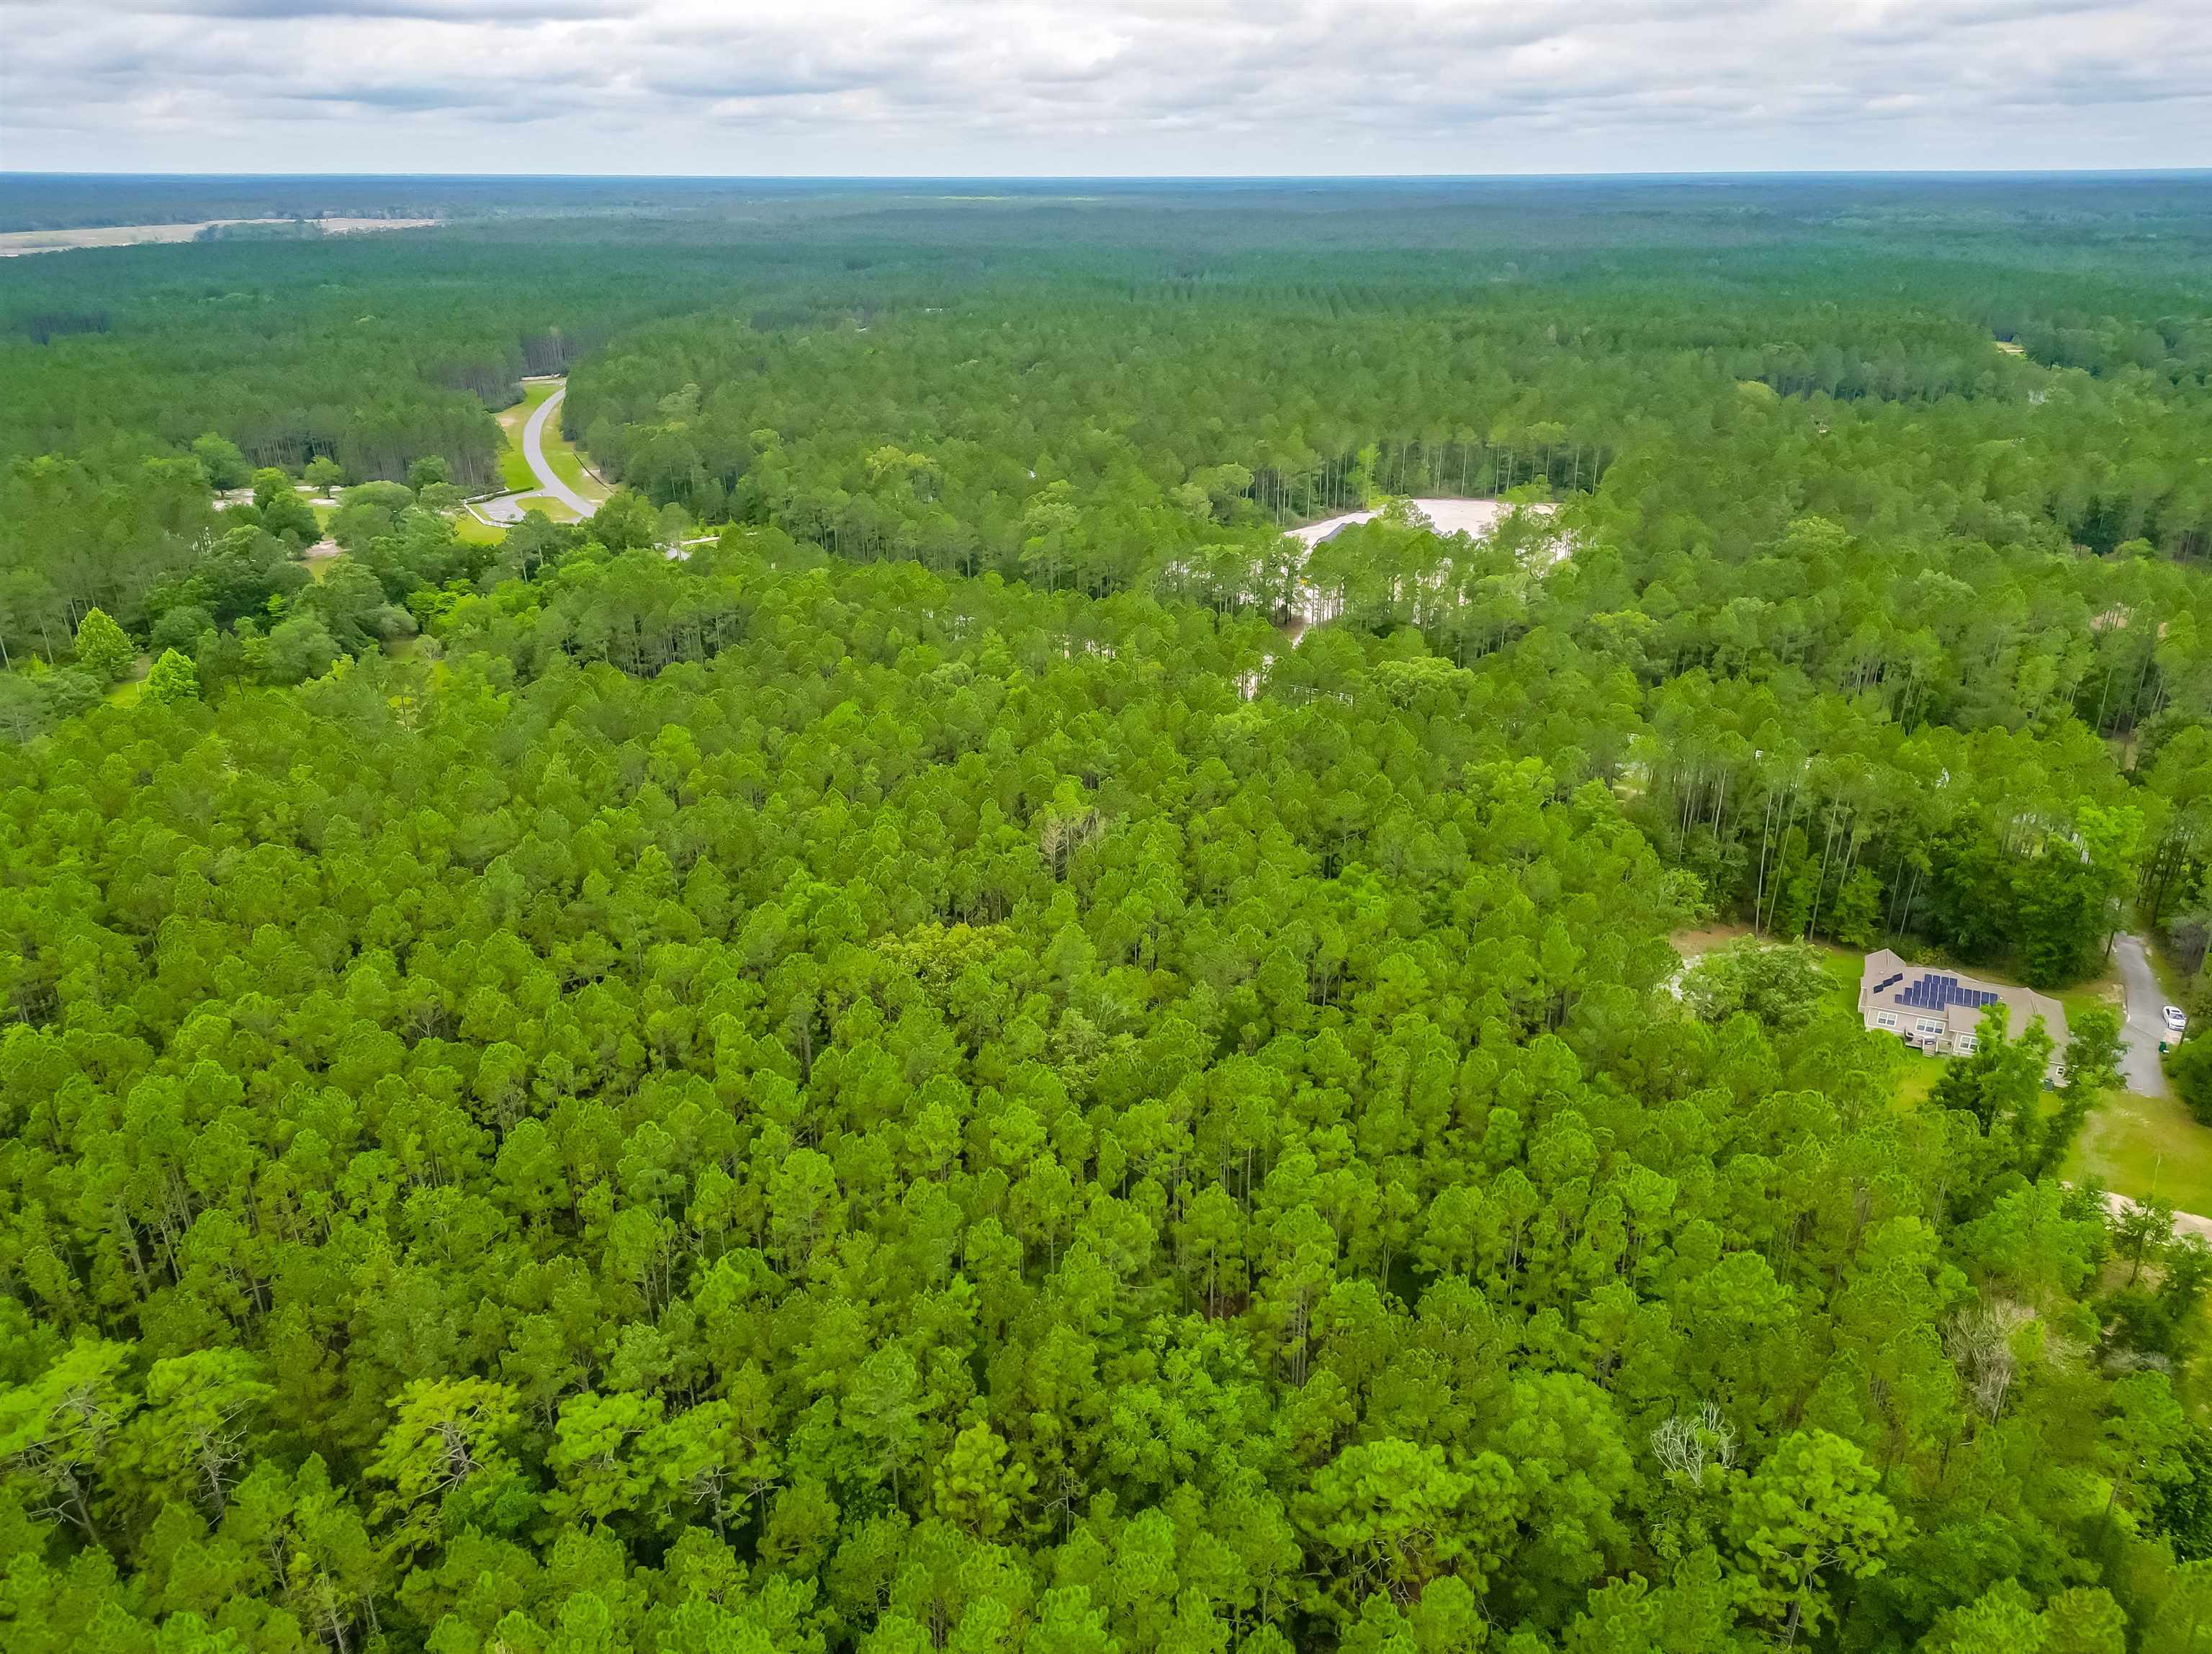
472 530
2105 992
534 394
1844 970
2140 1147
514 473
1917 1079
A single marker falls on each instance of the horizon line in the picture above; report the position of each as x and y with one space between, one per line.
2182 172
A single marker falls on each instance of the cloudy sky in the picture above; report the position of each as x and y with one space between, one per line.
1063 88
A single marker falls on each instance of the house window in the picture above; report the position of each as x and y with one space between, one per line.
1885 1019
1930 1029
1964 1042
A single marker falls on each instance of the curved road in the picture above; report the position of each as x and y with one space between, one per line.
533 450
2143 1028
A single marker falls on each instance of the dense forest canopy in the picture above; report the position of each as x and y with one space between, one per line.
929 1035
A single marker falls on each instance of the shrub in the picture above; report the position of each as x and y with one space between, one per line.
2189 1065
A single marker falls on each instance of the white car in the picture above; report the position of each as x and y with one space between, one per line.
2175 1018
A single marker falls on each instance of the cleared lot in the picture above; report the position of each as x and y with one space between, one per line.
13 243
1476 517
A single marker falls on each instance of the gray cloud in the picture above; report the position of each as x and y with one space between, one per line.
432 11
1104 86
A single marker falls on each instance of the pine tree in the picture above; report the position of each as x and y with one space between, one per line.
174 679
102 648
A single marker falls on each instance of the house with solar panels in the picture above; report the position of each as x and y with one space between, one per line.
1938 1012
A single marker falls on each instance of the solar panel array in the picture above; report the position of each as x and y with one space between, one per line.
1890 980
1935 993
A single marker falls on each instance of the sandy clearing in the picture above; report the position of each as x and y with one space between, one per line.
2185 1223
1475 517
1690 943
13 243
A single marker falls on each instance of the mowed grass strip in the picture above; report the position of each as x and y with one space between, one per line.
567 462
514 473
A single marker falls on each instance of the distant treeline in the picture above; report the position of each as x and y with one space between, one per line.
901 370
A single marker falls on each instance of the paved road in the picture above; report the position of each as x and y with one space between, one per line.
2144 1028
533 450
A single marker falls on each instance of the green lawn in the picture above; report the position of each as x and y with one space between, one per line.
1844 968
1917 1079
472 529
561 454
2104 991
534 393
569 465
2145 1145
514 473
